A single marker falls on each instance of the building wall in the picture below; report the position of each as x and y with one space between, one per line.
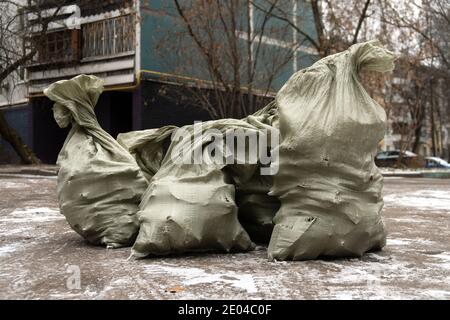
164 51
133 106
102 42
114 110
159 110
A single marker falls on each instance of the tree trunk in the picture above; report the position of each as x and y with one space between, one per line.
9 134
433 125
417 134
418 114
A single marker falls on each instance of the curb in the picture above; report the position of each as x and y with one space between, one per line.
23 170
420 174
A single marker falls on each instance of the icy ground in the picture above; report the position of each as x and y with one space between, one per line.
42 258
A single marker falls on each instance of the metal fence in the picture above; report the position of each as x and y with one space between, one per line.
108 37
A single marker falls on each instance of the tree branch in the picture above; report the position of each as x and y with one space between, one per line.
307 36
360 21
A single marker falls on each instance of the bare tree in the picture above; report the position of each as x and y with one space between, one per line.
225 43
337 24
417 30
233 48
420 32
16 51
429 20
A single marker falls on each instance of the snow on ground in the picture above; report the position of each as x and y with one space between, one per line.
192 276
421 199
40 256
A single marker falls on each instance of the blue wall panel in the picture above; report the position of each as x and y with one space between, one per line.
166 47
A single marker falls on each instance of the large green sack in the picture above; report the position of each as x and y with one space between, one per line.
328 184
256 207
191 207
148 147
99 183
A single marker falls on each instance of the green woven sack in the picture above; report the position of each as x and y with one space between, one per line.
99 183
328 184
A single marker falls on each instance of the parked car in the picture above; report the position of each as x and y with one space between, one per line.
390 159
435 162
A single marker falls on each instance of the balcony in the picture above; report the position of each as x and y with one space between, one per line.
104 45
109 37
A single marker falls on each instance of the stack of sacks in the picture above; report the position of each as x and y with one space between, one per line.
325 195
328 184
99 183
191 206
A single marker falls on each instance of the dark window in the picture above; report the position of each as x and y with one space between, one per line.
59 46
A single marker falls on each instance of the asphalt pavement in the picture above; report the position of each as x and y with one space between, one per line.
42 258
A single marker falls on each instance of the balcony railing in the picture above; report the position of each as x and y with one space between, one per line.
108 37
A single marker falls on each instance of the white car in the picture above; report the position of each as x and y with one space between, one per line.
435 162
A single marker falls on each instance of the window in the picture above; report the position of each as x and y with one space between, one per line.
59 46
108 37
